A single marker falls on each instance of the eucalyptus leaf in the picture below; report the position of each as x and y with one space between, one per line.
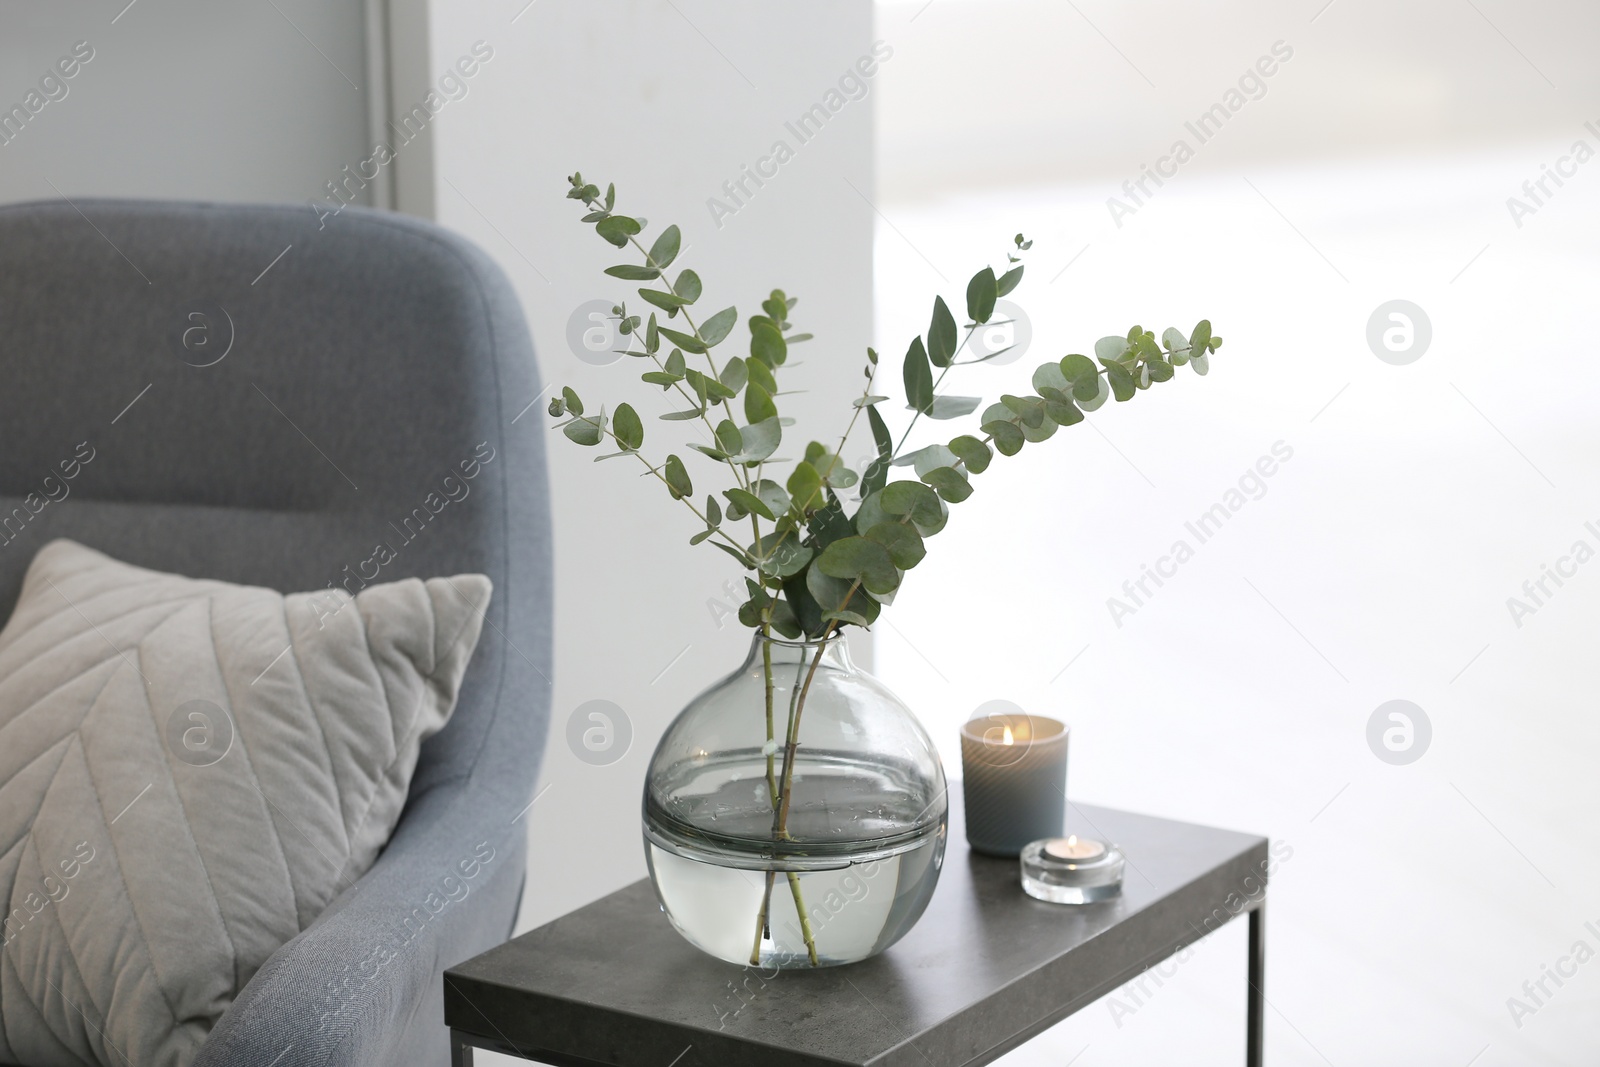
1050 376
953 407
1098 394
915 501
752 504
871 512
1110 348
1030 410
626 425
877 473
1008 439
632 272
949 483
678 483
665 301
760 439
905 546
583 431
714 329
767 344
830 593
941 334
687 286
1042 432
918 377
1122 386
1078 368
760 374
1062 413
574 405
784 620
982 291
1008 281
973 453
772 494
686 341
699 383
758 403
805 487
832 469
926 459
665 249
860 559
617 229
734 375
781 553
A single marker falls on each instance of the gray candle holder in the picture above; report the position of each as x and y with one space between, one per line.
1014 781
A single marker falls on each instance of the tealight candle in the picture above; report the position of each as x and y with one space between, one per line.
1074 848
1014 780
1073 870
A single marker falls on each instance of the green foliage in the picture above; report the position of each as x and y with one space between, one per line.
812 565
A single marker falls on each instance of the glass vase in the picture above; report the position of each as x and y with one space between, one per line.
794 813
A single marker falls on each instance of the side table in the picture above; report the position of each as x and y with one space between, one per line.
987 967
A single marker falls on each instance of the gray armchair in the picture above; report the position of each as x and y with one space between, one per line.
266 399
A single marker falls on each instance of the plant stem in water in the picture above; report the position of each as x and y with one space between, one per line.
805 921
761 922
766 664
780 798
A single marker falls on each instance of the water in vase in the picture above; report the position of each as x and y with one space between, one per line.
860 864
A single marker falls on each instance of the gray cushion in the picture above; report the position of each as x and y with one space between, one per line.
398 349
190 771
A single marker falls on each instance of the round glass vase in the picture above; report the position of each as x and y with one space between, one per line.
794 813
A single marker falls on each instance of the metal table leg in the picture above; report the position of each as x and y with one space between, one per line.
1255 1002
461 1052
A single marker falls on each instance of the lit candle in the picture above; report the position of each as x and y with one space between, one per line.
1072 870
1014 778
1074 848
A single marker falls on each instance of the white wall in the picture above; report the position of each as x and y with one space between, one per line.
668 100
1376 564
1019 92
228 101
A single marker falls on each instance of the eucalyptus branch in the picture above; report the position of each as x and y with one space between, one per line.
739 477
821 568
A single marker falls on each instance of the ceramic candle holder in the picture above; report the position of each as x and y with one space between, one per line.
1014 780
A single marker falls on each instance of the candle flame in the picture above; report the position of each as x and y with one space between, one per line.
1005 737
1072 840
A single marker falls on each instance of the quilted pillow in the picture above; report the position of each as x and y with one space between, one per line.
190 771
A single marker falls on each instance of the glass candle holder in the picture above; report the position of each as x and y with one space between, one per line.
1014 779
1072 870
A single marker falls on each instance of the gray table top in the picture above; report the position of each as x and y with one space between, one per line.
985 969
